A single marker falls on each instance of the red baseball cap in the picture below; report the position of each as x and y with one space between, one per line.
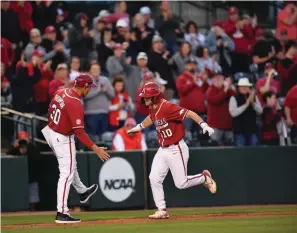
130 121
23 135
84 80
37 53
259 32
268 65
50 29
118 46
232 10
148 76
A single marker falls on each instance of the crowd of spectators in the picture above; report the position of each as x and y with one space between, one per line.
239 77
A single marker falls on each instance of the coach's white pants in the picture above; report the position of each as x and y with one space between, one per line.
64 149
175 158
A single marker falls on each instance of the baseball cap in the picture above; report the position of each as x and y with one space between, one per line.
215 73
62 66
122 23
50 29
190 60
145 10
259 32
84 80
268 65
103 13
38 53
130 121
142 55
157 38
118 46
23 135
148 76
232 10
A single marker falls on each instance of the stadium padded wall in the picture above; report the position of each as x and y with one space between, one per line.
265 175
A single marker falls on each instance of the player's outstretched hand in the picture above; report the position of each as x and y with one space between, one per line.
102 154
207 129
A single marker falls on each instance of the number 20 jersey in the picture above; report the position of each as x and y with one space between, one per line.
65 112
168 119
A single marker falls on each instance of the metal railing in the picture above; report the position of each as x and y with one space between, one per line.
24 119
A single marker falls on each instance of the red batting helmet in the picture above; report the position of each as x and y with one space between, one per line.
151 90
84 80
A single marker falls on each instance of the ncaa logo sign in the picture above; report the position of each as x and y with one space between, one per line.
117 179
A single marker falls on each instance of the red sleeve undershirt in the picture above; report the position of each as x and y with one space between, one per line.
83 137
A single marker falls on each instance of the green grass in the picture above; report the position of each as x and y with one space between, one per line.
271 224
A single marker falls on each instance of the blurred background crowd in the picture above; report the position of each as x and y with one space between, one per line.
239 76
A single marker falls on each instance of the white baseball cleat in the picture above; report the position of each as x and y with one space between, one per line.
160 214
209 182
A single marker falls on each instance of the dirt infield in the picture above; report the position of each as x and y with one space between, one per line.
146 220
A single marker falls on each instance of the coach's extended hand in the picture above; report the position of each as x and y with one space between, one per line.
100 151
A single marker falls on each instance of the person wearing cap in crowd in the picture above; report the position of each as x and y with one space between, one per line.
54 49
121 105
100 18
158 60
290 105
146 12
143 33
271 116
61 80
218 116
123 141
262 51
34 44
119 64
287 20
122 27
268 82
221 46
80 40
120 12
24 147
191 89
99 24
243 108
242 36
96 103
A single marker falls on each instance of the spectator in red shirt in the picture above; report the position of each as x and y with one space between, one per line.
284 66
270 117
242 35
290 105
287 20
5 88
268 83
218 116
120 12
61 80
7 53
121 105
191 88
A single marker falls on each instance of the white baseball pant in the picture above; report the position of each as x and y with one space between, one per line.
64 149
175 158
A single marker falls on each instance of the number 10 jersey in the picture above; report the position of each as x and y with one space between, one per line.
168 119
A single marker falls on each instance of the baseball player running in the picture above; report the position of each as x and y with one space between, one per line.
66 119
173 153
